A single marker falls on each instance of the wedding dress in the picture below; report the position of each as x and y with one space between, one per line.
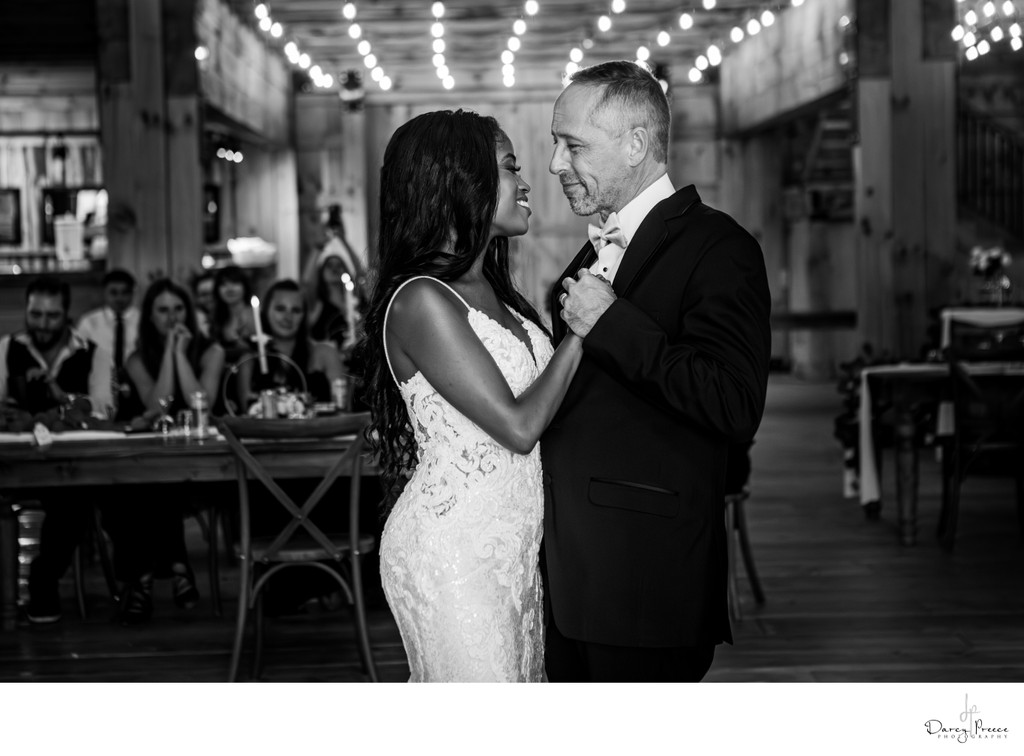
459 552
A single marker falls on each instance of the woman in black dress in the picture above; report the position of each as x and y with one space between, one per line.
173 362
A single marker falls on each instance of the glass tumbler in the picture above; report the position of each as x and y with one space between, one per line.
185 422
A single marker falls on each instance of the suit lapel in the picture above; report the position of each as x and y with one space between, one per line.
584 258
644 245
650 237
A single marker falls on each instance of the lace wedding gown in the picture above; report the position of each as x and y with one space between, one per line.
459 553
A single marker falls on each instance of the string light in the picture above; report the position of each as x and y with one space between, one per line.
438 45
753 25
980 27
758 20
291 51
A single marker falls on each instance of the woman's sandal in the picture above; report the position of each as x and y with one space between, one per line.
186 595
136 604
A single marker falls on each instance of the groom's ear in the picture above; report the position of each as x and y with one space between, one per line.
638 146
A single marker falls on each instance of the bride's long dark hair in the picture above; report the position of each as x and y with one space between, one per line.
438 187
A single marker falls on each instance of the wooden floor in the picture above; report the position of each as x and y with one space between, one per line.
846 602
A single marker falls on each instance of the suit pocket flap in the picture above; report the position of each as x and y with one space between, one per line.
634 497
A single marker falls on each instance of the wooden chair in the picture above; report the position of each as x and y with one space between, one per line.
95 539
219 522
737 492
300 543
988 424
974 342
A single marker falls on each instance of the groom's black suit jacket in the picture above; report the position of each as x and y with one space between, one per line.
635 459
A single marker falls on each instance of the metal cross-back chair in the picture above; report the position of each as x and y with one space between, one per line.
299 543
736 494
229 390
988 422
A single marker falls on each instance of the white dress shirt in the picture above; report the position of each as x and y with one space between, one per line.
631 216
99 324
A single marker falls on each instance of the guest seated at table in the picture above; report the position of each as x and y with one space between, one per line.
114 328
44 368
284 321
202 291
172 364
232 325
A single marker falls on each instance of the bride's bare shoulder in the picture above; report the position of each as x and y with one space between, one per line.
424 300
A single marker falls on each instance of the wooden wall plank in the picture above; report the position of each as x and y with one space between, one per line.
873 170
938 145
923 152
183 191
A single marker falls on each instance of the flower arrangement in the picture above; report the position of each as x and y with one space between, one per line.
277 403
989 262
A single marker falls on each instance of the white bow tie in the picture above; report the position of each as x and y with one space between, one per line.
610 243
610 233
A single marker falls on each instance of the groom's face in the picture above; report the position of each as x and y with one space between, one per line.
590 158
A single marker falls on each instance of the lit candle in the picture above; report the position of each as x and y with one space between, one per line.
350 309
261 340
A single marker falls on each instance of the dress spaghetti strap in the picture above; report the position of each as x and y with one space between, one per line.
387 314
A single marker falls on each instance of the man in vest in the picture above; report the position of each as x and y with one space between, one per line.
48 365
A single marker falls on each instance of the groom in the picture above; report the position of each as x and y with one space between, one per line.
675 368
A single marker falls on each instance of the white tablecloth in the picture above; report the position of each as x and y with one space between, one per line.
979 316
870 485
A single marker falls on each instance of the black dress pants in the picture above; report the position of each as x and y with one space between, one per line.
146 527
64 527
568 660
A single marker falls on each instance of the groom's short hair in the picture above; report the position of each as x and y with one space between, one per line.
632 97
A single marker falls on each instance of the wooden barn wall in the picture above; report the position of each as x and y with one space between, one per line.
795 62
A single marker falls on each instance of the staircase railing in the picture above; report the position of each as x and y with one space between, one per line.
990 171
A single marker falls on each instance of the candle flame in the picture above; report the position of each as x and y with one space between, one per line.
255 301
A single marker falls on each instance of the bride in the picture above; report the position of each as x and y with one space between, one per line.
462 382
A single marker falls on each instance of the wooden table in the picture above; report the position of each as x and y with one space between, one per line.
908 385
28 470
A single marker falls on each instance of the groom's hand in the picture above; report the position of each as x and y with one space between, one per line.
584 301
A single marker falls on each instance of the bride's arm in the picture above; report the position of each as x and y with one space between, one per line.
428 330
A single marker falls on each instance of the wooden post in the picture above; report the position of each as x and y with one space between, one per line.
133 123
183 140
905 169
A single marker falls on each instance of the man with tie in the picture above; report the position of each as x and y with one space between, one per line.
114 328
671 300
